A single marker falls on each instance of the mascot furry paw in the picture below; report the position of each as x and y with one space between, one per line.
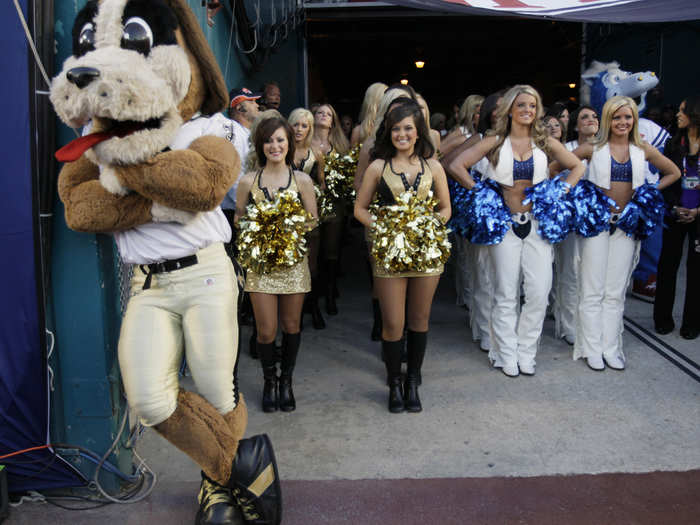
141 69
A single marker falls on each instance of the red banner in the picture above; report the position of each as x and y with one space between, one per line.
611 11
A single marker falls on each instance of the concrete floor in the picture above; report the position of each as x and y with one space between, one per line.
476 423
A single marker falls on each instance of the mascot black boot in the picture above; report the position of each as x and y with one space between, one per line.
392 360
255 483
268 356
290 349
246 466
217 505
415 343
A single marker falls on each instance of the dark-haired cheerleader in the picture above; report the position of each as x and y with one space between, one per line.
276 288
405 175
328 138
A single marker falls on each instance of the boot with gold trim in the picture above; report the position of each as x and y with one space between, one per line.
217 505
255 483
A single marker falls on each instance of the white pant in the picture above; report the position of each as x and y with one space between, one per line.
194 309
482 295
565 287
604 273
463 270
515 337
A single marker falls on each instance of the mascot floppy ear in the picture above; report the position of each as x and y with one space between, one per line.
208 74
139 69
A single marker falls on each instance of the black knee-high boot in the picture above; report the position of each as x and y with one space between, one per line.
246 315
252 343
331 285
377 325
392 360
290 349
316 318
267 359
415 343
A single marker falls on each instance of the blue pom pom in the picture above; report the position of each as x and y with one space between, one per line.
591 209
643 213
629 218
554 212
460 198
488 217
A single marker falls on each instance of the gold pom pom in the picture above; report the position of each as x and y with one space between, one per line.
339 173
272 235
409 236
326 210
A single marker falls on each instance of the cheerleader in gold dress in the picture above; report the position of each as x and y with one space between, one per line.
403 153
278 293
311 163
328 137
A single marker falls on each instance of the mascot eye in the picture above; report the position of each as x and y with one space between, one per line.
137 35
86 40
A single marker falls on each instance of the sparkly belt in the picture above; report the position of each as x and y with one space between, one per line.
613 222
522 224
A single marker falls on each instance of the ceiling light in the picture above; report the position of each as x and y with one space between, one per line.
420 64
404 82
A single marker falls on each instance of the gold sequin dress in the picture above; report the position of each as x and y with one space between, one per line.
391 186
296 279
310 166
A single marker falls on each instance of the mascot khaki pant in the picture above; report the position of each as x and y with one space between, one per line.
514 338
191 310
565 287
604 273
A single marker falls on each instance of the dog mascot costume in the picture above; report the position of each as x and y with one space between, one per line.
139 70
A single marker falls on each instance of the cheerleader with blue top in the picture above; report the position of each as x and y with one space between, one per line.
565 288
617 166
517 150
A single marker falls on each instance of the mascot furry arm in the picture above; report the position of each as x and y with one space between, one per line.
137 84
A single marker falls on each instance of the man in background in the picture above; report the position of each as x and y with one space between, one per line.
271 96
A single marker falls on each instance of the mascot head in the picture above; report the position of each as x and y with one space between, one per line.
139 68
603 81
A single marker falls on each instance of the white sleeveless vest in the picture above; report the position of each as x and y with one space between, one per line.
599 168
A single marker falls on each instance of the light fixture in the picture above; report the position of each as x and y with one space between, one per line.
420 64
404 82
572 85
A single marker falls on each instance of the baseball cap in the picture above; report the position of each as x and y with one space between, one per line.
240 94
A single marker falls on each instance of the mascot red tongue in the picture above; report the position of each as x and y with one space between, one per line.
157 189
75 148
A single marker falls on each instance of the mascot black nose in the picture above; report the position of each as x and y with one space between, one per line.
82 76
